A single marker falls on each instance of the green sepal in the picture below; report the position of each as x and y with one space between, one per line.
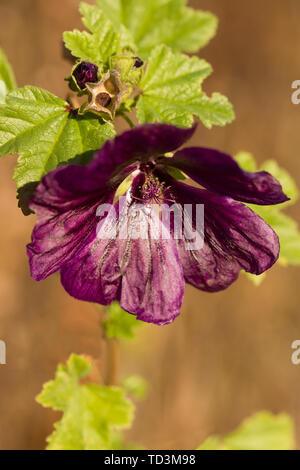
124 64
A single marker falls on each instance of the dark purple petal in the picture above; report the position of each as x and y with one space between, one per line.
235 238
65 203
139 144
144 275
84 73
153 284
219 172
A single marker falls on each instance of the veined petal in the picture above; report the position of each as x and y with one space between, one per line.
235 238
66 217
143 273
218 172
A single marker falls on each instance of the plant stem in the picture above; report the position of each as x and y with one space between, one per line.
128 120
113 361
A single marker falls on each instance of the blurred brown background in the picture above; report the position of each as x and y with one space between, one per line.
228 354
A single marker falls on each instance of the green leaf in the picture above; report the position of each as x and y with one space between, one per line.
214 111
136 386
36 125
7 76
98 46
263 431
91 413
157 22
171 92
105 40
119 324
112 10
57 393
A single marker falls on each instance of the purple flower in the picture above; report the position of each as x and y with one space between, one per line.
85 73
148 276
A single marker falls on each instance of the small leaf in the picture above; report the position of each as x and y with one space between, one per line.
94 48
171 92
106 39
98 46
91 413
119 324
37 125
57 393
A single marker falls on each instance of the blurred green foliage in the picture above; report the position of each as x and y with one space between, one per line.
262 431
7 77
119 324
136 385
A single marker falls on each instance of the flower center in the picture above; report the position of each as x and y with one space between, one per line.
153 190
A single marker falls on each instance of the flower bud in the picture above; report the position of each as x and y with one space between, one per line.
83 73
138 63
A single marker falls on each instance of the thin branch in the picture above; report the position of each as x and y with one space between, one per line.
128 120
113 362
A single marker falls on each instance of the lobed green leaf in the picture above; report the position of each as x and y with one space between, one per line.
91 413
157 22
171 92
37 125
104 39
